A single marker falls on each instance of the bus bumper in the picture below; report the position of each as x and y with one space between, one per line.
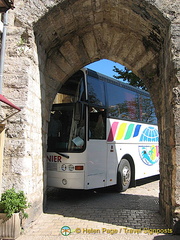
65 180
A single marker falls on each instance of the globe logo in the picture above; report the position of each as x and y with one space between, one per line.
150 134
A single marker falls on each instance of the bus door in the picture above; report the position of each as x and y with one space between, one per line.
112 164
96 149
112 155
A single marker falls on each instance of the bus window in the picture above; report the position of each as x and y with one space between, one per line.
72 90
66 130
122 103
97 123
147 112
132 102
96 93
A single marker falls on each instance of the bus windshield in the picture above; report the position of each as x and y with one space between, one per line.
66 132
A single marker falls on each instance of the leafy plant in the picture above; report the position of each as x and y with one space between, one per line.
14 202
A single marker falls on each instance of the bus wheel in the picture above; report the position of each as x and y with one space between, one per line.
123 175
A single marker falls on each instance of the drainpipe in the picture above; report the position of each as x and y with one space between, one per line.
3 46
2 126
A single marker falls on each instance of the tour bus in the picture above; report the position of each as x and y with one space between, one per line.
102 132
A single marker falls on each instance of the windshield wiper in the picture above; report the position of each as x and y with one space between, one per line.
62 154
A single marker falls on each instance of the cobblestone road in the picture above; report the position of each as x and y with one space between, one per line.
101 214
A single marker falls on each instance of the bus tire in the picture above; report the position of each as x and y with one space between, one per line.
123 175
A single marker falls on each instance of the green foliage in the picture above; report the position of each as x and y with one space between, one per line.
13 202
130 77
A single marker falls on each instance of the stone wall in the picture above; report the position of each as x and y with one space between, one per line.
50 40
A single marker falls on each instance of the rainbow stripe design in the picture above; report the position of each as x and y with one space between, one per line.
123 131
126 131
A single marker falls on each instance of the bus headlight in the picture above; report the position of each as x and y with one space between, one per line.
63 167
64 181
71 167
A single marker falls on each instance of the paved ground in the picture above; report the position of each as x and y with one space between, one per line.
101 214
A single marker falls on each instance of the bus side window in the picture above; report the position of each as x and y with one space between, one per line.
97 123
147 111
96 91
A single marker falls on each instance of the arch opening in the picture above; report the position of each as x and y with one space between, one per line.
133 34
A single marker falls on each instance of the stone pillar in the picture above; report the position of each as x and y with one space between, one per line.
176 177
169 111
23 156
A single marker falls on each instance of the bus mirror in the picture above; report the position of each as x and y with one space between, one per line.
77 111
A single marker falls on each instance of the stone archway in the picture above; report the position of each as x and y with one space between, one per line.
71 34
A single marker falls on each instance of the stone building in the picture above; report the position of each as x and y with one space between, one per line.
48 41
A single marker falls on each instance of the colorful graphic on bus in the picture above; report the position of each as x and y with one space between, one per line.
149 154
150 134
126 131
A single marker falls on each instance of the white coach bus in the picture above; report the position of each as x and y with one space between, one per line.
102 132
